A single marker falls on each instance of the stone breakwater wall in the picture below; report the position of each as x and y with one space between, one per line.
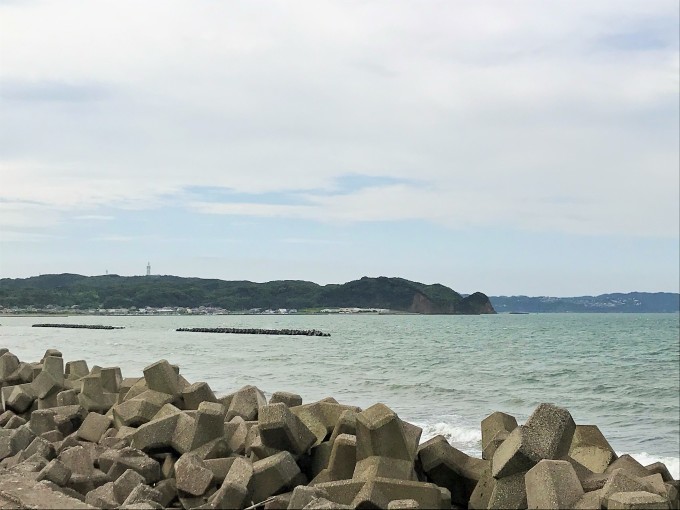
78 437
257 331
76 326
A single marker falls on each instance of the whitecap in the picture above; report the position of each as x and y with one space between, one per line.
672 463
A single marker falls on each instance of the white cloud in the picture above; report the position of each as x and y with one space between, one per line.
525 114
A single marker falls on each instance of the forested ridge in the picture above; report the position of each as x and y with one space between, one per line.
113 291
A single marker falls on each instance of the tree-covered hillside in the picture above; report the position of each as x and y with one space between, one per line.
113 291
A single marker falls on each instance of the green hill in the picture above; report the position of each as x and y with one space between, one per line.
113 291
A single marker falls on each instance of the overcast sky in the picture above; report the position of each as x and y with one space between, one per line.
510 147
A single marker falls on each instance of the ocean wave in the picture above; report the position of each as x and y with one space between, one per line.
672 463
466 438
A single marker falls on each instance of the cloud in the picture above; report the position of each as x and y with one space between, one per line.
531 115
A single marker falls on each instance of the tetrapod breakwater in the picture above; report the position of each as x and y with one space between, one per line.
72 436
76 326
257 331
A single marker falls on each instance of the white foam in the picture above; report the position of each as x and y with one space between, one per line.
464 437
672 463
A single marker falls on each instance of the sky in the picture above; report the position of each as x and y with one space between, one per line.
511 147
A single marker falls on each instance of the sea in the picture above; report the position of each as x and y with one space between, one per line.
443 373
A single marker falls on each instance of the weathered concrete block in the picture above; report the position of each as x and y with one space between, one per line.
196 393
549 432
126 483
40 446
638 500
236 432
157 433
255 448
22 375
116 462
589 501
56 472
380 433
493 425
111 378
214 449
67 398
142 493
370 496
219 467
428 495
490 448
233 492
621 481
319 456
168 491
240 472
134 412
102 497
21 438
138 387
479 499
15 422
590 448
290 399
513 455
246 403
8 364
383 467
321 417
69 418
52 436
42 421
402 504
449 467
282 430
342 460
273 474
323 504
192 475
76 369
5 417
92 396
161 376
184 437
210 421
509 492
346 424
20 398
47 402
78 460
660 468
93 428
302 496
628 464
229 495
552 484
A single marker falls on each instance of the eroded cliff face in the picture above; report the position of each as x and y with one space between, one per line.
421 304
474 304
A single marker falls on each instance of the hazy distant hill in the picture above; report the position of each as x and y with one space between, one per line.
113 291
652 302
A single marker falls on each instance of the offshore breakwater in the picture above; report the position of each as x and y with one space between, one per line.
77 326
256 331
92 437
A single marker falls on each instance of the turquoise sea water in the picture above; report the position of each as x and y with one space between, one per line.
444 373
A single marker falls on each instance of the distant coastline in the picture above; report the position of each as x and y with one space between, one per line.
162 295
632 302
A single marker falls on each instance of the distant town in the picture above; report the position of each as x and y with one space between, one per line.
178 310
